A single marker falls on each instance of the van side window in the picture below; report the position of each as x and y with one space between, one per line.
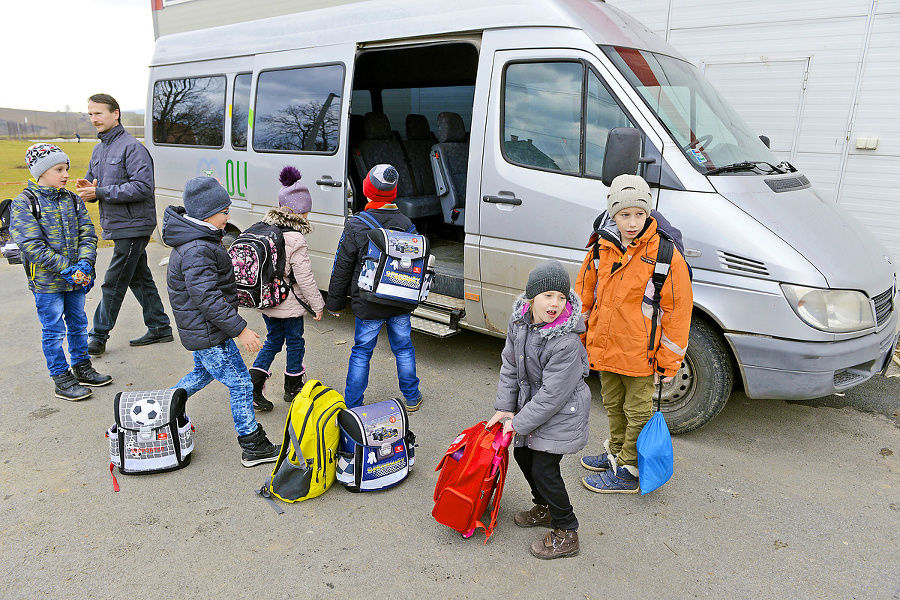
189 112
543 114
541 120
240 111
603 114
427 101
299 110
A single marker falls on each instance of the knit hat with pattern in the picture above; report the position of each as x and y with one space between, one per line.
381 183
42 156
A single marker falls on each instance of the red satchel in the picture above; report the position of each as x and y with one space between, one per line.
473 470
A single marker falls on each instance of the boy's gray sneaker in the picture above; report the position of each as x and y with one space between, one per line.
257 448
86 374
68 388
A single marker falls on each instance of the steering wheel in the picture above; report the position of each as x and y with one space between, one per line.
702 141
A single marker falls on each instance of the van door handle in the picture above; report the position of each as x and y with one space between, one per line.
326 180
502 200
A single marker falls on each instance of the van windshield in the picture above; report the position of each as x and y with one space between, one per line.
708 131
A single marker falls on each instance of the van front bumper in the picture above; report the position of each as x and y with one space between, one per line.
796 370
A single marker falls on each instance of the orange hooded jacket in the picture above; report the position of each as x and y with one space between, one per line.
618 305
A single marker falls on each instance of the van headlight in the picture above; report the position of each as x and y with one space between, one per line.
834 311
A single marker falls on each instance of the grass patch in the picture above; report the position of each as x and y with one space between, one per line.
14 174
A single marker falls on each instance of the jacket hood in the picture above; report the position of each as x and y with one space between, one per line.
570 321
281 217
178 229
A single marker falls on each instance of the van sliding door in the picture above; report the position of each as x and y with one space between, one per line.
547 121
299 117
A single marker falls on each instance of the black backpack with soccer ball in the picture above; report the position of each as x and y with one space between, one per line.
152 433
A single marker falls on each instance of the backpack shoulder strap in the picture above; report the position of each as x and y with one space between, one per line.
660 273
368 220
35 205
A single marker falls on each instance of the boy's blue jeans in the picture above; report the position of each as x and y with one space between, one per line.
279 332
399 329
224 363
62 315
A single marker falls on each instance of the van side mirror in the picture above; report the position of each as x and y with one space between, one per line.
766 141
623 153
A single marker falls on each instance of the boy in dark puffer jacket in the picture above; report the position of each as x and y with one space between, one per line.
380 189
204 300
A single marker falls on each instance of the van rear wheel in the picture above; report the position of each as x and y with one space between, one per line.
703 383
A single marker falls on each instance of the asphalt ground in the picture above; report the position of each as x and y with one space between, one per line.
770 500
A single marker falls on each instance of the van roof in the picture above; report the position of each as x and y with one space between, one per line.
377 20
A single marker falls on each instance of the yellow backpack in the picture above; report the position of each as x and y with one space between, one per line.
306 464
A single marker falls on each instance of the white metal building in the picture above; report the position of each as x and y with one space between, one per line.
820 78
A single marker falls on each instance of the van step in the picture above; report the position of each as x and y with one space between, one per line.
445 302
436 320
431 327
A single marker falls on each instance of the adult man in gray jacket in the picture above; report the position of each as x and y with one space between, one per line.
120 178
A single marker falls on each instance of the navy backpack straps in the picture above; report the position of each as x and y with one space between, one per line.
660 273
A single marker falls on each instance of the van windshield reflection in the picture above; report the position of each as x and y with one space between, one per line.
709 132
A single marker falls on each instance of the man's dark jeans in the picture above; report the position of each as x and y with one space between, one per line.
128 269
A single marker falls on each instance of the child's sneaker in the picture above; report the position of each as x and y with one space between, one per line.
559 543
596 463
412 406
68 388
538 515
257 448
623 480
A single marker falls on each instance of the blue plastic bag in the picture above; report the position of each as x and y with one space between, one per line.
656 460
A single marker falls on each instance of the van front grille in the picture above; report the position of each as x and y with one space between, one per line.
788 183
884 306
734 262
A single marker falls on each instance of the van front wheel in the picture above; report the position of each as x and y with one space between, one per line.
703 383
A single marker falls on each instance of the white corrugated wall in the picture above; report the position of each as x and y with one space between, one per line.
814 75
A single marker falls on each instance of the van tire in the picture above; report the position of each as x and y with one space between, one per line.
703 383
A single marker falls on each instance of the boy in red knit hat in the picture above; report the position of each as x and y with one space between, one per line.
380 189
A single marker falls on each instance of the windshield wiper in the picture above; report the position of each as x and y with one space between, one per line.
747 165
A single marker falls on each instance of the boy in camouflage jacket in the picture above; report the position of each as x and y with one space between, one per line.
54 233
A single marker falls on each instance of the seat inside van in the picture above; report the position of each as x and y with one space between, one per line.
381 145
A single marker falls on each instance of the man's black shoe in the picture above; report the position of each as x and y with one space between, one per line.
152 337
96 346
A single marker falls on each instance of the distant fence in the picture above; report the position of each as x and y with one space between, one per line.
64 126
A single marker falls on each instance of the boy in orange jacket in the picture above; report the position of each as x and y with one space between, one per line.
616 289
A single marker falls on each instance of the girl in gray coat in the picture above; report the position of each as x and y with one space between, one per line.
543 394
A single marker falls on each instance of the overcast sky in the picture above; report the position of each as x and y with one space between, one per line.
55 53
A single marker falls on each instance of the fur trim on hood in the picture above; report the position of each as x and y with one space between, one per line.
566 323
285 217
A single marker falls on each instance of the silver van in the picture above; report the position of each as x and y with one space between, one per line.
507 121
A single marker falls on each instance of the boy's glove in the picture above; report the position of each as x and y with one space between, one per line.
85 267
69 273
84 274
